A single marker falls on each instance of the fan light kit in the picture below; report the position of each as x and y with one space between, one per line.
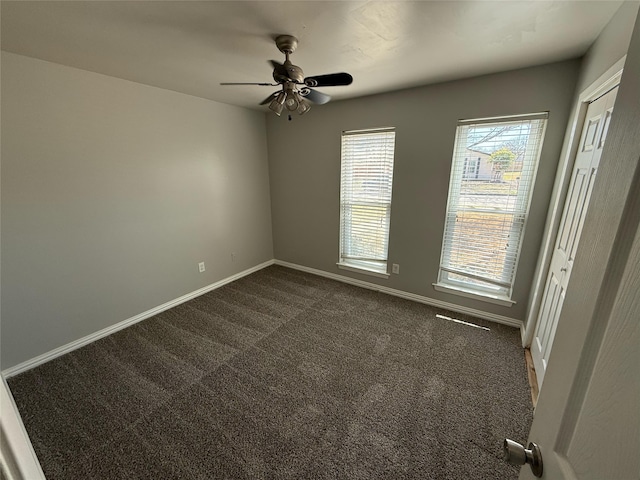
296 92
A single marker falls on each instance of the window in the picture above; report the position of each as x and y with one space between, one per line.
488 204
365 199
471 168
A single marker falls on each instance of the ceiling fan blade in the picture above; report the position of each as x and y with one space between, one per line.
270 98
241 83
329 80
315 96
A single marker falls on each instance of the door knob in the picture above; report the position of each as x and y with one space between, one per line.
516 454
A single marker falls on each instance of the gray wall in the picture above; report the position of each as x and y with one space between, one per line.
108 203
112 192
304 163
610 46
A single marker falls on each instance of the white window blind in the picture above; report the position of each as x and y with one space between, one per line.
487 211
365 197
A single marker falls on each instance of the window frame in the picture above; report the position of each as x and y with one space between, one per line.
493 291
377 267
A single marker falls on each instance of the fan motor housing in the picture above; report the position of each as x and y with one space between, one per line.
294 72
288 72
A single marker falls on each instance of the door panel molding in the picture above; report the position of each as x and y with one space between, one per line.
575 209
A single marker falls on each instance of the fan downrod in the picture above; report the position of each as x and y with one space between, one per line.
286 43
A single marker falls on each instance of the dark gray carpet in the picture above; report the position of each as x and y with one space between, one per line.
283 375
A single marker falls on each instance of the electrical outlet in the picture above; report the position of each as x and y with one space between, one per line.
201 267
233 256
395 268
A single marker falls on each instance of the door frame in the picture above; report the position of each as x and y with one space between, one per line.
17 456
602 85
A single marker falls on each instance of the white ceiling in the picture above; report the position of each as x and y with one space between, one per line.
191 47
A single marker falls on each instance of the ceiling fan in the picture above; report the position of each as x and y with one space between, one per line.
296 91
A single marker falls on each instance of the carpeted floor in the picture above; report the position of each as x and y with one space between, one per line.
283 375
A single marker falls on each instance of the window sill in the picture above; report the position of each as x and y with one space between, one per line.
363 270
483 297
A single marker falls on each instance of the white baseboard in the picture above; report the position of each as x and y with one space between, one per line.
69 347
512 322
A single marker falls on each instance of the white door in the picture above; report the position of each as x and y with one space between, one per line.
587 421
594 131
